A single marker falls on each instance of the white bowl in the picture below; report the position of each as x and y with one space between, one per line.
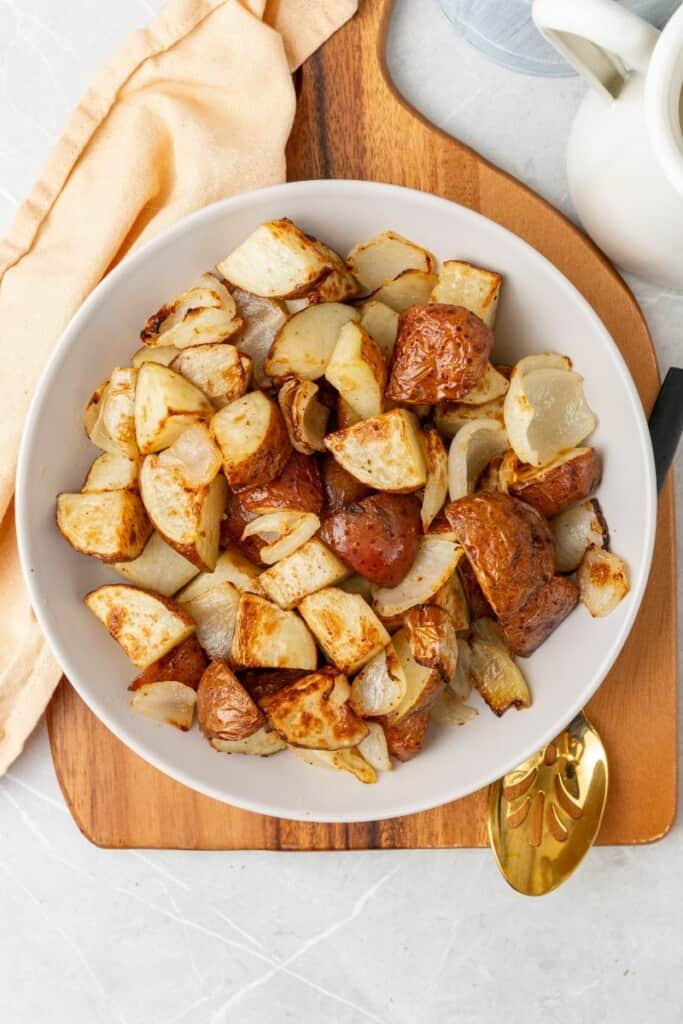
539 310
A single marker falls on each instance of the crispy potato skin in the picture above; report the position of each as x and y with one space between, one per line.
263 682
297 487
556 487
526 629
340 725
339 487
224 708
405 738
268 462
441 352
184 664
378 536
509 545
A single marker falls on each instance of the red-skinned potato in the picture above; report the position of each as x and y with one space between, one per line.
298 487
224 708
509 545
567 480
253 439
441 352
184 664
339 487
476 599
526 629
263 682
405 738
377 537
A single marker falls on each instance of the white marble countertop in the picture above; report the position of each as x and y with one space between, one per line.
93 937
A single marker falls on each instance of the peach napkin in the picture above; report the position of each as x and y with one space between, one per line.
195 107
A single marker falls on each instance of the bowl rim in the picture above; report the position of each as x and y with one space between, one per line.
61 651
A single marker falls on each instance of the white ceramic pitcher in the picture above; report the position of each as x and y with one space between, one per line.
625 154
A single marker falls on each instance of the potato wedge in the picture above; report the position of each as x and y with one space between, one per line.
110 525
167 701
314 712
220 370
451 598
471 450
298 488
310 568
477 602
146 625
252 436
493 385
496 676
183 664
112 471
339 286
436 488
424 685
570 478
204 314
432 639
358 371
406 736
441 353
409 288
435 562
546 413
304 344
276 261
374 748
575 530
262 319
268 637
262 682
261 744
231 567
508 544
165 405
380 686
450 710
159 568
525 630
109 416
214 613
347 760
188 519
164 354
463 284
345 626
224 708
304 414
381 323
385 256
449 417
384 452
603 581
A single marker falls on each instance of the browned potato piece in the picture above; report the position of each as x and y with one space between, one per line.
218 370
165 405
526 629
509 545
378 537
469 286
184 664
340 285
567 480
345 626
357 369
224 708
384 452
476 600
269 637
110 525
405 738
146 625
252 436
314 711
441 352
263 682
298 487
432 639
339 487
277 261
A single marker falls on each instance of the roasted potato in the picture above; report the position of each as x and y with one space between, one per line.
224 708
385 256
570 478
509 545
168 701
220 371
451 598
477 602
339 487
262 319
164 354
187 519
603 581
304 414
434 564
260 683
380 686
231 567
496 676
491 387
339 286
184 663
204 314
252 436
381 323
109 418
384 452
531 625
346 416
268 637
304 344
436 488
406 736
345 626
165 405
146 625
297 487
358 371
441 353
432 639
377 537
159 568
314 712
112 471
424 684
214 612
410 288
462 284
277 261
575 530
309 568
110 525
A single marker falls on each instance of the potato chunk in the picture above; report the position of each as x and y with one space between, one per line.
526 629
165 405
345 626
385 256
314 712
277 261
220 371
432 639
204 314
252 436
268 637
304 344
146 625
384 452
410 288
381 323
110 525
570 478
463 284
112 471
224 708
358 371
168 701
159 568
310 568
184 664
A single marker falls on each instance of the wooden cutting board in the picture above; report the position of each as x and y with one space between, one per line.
351 123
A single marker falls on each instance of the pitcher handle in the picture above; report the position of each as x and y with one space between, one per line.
600 38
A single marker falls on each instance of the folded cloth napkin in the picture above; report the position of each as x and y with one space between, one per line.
195 107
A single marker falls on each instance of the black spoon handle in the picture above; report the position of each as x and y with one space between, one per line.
666 423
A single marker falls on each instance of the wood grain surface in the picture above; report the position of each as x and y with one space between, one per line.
351 123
